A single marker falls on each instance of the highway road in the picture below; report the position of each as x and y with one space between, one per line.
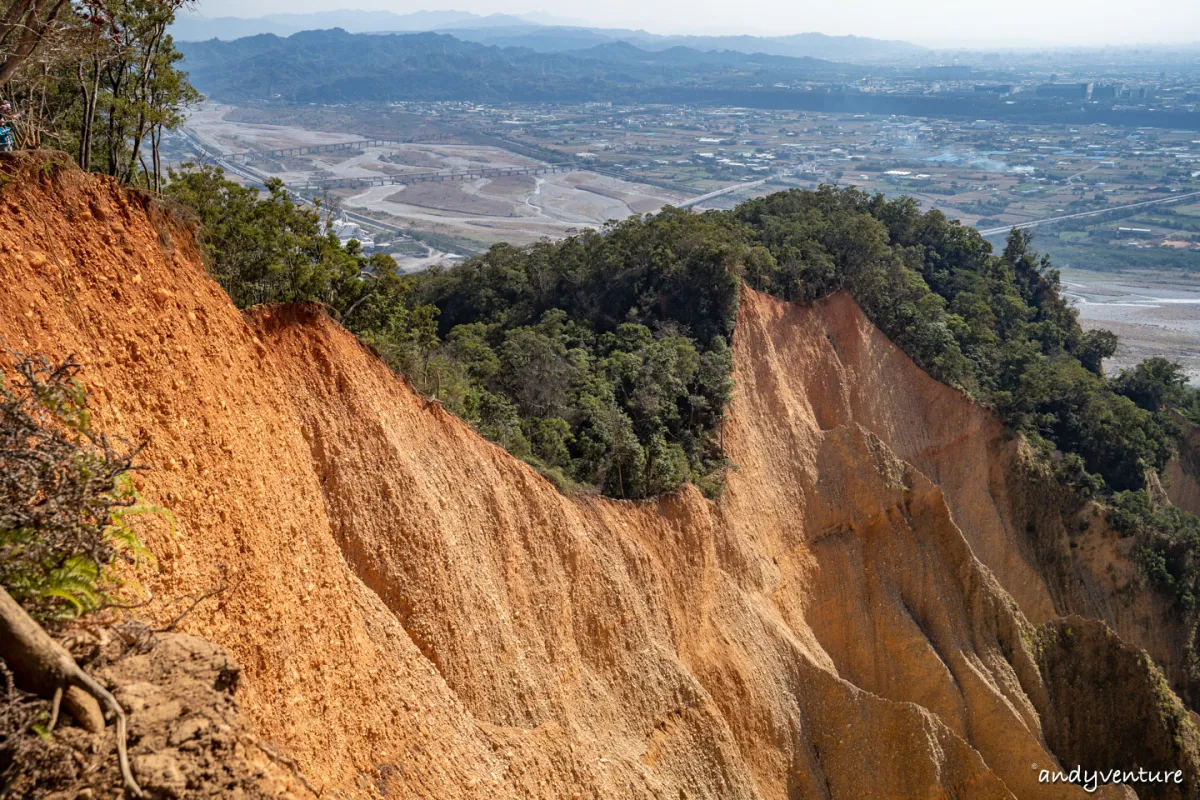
719 192
1035 223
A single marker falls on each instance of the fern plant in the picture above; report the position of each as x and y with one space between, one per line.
67 500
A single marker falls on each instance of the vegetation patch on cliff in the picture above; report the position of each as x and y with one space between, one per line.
66 496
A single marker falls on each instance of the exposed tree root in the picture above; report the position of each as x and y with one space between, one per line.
42 666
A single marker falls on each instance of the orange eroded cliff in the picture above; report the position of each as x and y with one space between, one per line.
419 614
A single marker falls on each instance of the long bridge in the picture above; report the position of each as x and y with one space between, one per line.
333 147
1051 220
407 178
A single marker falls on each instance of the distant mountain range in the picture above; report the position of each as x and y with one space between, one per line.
333 66
540 32
550 39
195 28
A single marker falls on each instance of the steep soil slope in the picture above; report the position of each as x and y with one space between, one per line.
827 363
1093 729
329 673
421 615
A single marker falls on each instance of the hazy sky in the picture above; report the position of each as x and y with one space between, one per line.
936 22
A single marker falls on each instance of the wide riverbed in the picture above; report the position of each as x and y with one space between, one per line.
1155 314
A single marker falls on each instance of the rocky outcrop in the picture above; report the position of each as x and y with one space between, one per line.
419 614
1052 552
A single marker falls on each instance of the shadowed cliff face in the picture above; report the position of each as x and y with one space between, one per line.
1111 705
419 614
1182 487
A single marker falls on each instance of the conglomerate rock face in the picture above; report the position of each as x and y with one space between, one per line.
419 614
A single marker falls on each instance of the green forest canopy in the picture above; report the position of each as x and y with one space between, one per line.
604 359
992 325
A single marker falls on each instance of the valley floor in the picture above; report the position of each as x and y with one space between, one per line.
1154 314
475 213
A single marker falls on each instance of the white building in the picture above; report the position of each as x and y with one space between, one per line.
345 231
